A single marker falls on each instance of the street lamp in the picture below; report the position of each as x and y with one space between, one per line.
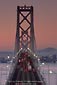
43 63
8 56
50 72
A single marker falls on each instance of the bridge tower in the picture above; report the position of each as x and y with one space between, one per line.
25 28
20 73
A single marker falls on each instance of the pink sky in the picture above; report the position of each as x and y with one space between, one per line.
45 22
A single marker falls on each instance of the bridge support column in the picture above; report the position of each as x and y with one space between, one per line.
25 28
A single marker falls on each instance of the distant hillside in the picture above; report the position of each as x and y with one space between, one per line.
5 54
47 51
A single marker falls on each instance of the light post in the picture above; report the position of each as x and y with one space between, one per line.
52 72
39 67
7 71
43 68
48 75
55 77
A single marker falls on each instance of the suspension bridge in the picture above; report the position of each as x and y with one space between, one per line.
24 69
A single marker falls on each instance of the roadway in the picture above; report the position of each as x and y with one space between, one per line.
24 72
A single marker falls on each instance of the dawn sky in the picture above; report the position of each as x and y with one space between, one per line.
45 22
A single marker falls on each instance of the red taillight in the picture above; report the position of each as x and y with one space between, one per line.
29 67
33 70
26 70
25 54
22 59
19 61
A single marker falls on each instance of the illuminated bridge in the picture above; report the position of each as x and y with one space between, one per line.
24 70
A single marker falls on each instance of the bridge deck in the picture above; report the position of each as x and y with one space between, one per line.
24 71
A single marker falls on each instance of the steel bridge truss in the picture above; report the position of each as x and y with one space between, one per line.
25 28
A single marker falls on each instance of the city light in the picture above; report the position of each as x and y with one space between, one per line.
13 57
7 66
43 63
50 72
8 57
28 48
34 55
38 59
21 48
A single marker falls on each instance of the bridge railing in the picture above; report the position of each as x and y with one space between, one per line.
24 82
